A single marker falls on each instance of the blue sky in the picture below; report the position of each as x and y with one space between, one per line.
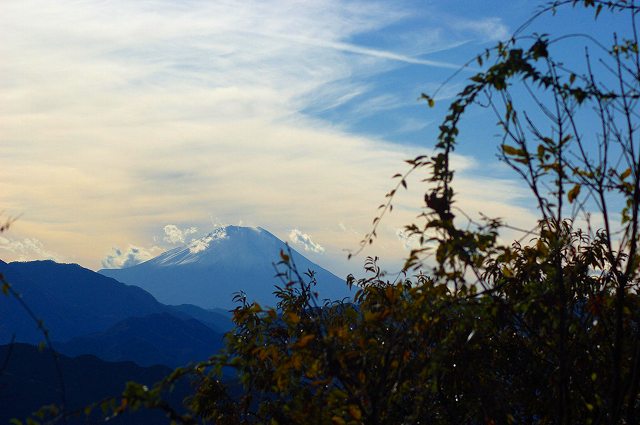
130 127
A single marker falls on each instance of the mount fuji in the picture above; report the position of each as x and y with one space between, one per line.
208 271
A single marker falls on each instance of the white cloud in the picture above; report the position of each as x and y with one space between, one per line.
199 245
129 257
487 28
384 102
409 125
304 240
409 242
26 249
175 235
375 53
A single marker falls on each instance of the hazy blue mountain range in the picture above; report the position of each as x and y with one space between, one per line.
70 299
150 340
208 271
217 319
88 313
29 380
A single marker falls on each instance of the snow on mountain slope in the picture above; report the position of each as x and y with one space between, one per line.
208 271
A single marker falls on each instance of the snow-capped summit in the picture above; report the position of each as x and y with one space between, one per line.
239 243
208 271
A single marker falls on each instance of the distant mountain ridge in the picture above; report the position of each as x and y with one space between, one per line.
69 299
29 381
156 339
88 313
208 271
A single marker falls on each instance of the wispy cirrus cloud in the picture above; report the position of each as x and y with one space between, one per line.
489 28
366 51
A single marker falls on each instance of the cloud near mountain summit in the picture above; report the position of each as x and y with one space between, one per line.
304 240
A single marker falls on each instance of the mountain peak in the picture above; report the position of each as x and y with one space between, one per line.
209 270
221 244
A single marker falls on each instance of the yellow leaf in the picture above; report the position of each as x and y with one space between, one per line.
355 412
284 256
573 193
282 382
390 293
293 317
370 316
304 341
313 370
509 150
338 420
626 173
297 362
